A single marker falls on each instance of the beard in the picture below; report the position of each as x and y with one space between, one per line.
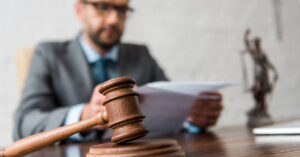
96 38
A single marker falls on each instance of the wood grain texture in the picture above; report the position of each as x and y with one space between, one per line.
160 147
222 142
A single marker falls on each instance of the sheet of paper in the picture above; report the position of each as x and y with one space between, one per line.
187 88
166 104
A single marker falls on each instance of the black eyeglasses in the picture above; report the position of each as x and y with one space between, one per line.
104 8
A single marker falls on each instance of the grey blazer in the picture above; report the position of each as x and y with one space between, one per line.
59 77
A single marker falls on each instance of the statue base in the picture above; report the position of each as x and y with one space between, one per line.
258 119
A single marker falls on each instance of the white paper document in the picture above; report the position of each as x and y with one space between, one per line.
166 104
186 88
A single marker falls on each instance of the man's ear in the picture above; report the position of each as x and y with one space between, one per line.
79 10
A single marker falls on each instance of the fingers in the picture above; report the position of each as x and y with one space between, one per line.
96 89
97 127
86 112
141 98
95 105
97 108
135 87
206 109
204 118
203 121
207 104
100 127
97 98
206 113
211 95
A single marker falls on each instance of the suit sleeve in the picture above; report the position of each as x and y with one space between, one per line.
38 110
157 72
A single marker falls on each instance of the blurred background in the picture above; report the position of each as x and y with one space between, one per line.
192 40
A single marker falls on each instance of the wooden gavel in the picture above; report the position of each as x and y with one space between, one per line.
122 115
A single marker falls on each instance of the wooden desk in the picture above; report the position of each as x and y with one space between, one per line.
233 142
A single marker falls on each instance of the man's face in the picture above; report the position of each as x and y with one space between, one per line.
103 20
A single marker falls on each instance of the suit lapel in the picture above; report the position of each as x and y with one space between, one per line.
81 71
123 60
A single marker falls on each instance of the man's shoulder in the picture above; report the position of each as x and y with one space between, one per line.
55 48
126 44
136 51
134 48
53 45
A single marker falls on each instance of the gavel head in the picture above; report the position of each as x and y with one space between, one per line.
123 114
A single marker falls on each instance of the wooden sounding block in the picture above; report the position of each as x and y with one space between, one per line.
142 148
122 115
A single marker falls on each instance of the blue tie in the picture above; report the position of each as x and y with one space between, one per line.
100 70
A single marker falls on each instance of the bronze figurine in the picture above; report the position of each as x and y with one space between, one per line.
258 116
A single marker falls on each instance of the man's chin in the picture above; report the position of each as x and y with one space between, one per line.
104 42
107 44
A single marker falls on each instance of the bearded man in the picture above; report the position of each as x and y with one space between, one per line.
64 77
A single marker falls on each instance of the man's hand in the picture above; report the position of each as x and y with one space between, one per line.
94 106
206 109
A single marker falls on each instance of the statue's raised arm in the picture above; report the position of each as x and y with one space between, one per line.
247 40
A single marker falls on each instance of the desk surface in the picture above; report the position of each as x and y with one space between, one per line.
231 142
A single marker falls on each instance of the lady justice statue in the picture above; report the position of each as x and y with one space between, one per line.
258 116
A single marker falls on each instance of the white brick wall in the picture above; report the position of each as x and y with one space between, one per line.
192 40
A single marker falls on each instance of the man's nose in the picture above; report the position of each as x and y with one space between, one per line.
113 17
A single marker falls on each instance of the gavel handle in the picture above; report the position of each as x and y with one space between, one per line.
40 140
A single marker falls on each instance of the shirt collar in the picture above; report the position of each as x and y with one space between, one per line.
92 55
